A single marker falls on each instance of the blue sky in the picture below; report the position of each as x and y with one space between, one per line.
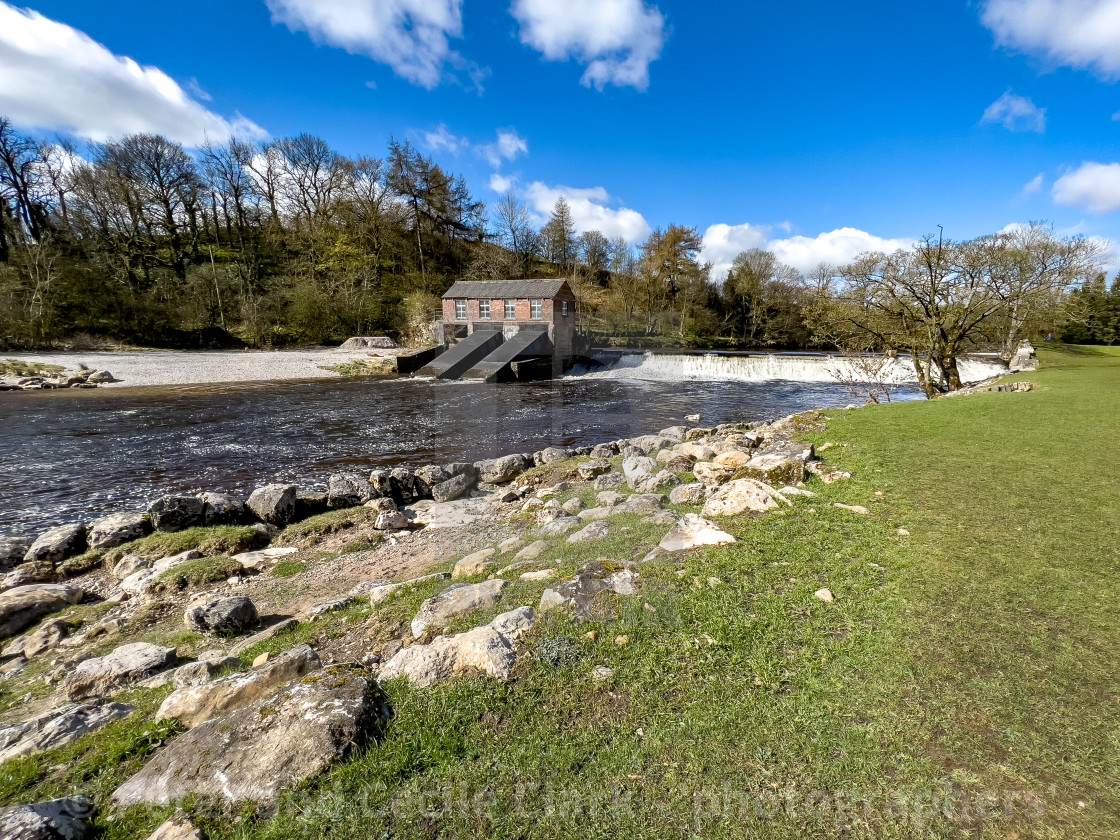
816 129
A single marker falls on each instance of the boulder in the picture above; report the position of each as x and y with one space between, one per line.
369 342
432 475
264 556
452 488
12 552
176 513
712 474
589 470
676 433
501 470
679 464
195 673
595 514
697 451
609 481
179 827
99 377
57 728
604 450
126 665
532 551
24 605
689 494
662 480
41 571
47 636
274 743
193 705
274 503
223 509
609 498
637 468
459 599
391 521
59 819
641 503
474 564
57 544
166 563
118 528
743 495
130 564
348 490
224 616
309 503
775 469
560 526
694 531
572 506
553 454
595 531
733 458
580 592
490 650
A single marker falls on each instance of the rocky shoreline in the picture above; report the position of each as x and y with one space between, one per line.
83 377
302 707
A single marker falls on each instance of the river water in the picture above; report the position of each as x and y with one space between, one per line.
67 455
71 455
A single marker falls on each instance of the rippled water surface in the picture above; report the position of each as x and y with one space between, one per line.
66 455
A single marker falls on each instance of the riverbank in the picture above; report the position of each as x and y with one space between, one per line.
912 664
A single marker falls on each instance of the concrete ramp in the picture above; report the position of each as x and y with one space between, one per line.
529 341
457 360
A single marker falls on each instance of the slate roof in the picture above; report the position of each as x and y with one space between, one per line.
495 289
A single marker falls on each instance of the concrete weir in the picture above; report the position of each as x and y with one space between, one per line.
486 355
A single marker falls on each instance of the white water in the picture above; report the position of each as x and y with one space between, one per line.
672 367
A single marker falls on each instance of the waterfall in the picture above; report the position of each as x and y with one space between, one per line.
771 367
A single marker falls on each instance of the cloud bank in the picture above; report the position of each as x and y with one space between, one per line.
1092 186
1074 33
57 78
591 210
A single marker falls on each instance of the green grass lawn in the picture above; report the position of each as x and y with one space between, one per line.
962 684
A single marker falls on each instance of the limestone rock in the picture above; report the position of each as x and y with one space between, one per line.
256 752
130 564
533 550
572 506
489 650
589 470
57 544
223 509
637 469
594 531
179 827
221 615
47 636
57 728
452 488
501 470
594 514
661 480
644 503
858 509
474 564
553 454
126 665
664 517
774 468
118 528
12 552
580 592
192 705
609 498
348 490
560 526
694 531
391 521
712 474
733 458
824 595
742 495
609 481
676 433
59 819
689 494
176 513
459 599
697 451
263 557
24 605
274 503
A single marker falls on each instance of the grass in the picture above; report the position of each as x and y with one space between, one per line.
963 683
365 367
219 539
196 573
315 528
288 568
15 367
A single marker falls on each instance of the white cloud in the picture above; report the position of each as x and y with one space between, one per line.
1077 33
57 78
616 39
590 211
722 243
442 140
508 146
1016 113
411 36
1032 186
1093 186
500 183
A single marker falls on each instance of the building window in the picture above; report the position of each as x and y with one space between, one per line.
484 310
536 309
460 310
564 309
511 310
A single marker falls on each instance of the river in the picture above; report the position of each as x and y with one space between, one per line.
71 455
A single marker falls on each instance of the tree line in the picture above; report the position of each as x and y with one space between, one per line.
290 242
